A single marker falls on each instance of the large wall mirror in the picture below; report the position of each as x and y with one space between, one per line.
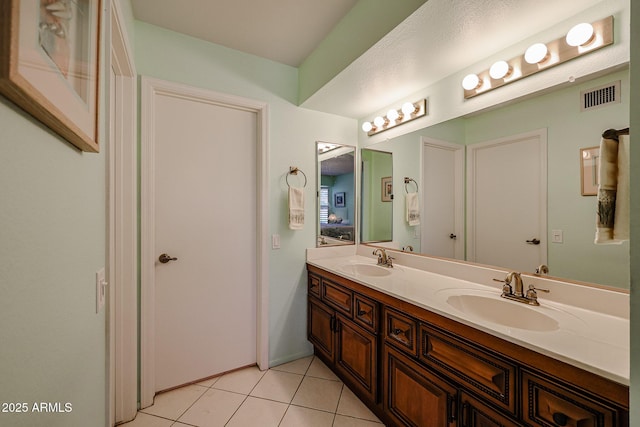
376 196
336 194
567 240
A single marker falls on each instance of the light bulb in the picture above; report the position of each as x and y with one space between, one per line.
392 115
536 53
367 126
580 35
471 82
379 121
408 109
500 70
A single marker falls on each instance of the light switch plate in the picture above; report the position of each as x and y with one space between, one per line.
556 236
101 284
275 241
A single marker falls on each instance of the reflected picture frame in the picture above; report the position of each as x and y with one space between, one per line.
387 189
49 64
339 200
589 174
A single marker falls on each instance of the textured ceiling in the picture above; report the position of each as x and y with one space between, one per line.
285 31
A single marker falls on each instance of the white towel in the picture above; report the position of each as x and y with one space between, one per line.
296 208
413 209
612 220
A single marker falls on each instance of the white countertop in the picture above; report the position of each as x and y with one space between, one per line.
589 338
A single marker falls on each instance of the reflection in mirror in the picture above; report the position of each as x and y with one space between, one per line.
336 194
376 196
570 215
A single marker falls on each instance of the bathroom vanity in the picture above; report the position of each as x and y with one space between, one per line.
401 340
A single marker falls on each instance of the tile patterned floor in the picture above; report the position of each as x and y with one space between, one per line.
297 394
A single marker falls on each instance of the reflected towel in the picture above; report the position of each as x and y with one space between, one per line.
612 221
296 208
413 209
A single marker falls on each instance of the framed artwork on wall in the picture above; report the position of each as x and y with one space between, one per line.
49 64
589 163
387 189
339 200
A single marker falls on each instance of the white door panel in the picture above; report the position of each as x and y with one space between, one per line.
507 202
205 216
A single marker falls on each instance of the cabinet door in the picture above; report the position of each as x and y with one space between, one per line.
356 356
476 414
414 396
550 403
320 324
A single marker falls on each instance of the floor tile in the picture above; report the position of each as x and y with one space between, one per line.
351 406
209 382
258 412
319 370
242 381
277 385
174 403
213 409
318 393
299 366
343 421
145 420
298 416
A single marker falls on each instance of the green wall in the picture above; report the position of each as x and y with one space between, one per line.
52 242
293 133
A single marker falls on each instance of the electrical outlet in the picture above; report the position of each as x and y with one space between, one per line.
101 285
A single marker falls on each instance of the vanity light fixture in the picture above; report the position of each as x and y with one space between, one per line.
536 53
500 70
409 111
582 39
580 35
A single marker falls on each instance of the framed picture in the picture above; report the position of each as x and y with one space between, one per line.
387 189
49 52
339 200
589 174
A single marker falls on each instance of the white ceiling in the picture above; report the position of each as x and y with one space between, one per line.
285 31
439 39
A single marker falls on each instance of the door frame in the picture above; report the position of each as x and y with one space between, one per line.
122 264
471 189
150 89
459 159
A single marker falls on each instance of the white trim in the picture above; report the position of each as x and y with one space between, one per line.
123 243
541 134
459 158
150 89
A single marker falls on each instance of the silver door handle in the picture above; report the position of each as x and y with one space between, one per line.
164 258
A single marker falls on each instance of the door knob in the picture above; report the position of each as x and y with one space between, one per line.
453 236
164 258
533 241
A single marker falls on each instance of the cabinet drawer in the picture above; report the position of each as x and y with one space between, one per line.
366 312
490 376
400 330
337 297
545 403
313 285
474 413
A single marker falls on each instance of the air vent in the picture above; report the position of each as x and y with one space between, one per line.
600 96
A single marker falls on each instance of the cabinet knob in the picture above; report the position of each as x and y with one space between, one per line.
560 419
361 313
398 331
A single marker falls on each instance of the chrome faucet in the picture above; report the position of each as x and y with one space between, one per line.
517 292
383 258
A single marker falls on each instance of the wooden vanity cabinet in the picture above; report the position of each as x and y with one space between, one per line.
416 368
341 326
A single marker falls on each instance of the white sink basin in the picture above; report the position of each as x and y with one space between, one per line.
503 312
369 270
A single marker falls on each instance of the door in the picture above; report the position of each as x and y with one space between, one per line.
507 206
443 199
205 223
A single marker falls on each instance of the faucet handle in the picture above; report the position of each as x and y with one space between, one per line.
506 287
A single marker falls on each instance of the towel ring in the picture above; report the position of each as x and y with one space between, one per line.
407 180
294 171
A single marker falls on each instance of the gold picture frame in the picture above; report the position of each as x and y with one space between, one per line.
49 64
387 189
589 163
